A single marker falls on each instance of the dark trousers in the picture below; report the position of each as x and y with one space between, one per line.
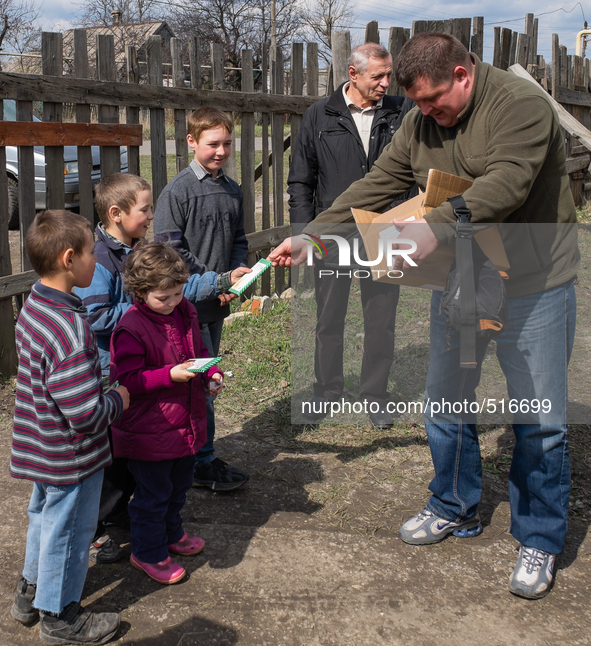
118 487
379 302
211 335
155 510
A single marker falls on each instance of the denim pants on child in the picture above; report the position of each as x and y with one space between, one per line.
211 335
155 510
533 351
62 522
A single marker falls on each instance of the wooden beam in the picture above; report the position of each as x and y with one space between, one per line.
574 164
35 133
567 121
23 87
263 239
18 284
572 97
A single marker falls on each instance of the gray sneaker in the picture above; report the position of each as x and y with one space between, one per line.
533 575
427 528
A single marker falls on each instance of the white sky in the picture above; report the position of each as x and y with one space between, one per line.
565 19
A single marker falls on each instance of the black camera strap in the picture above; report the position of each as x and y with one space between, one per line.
467 291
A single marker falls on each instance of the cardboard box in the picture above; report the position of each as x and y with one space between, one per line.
432 272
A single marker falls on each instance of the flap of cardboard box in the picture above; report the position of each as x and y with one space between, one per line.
441 186
433 271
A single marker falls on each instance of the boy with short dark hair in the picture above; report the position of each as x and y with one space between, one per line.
124 206
60 433
200 212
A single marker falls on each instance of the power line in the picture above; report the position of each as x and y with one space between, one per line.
544 13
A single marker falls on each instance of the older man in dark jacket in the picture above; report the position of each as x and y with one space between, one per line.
340 138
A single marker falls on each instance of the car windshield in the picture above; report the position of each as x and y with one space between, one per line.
10 111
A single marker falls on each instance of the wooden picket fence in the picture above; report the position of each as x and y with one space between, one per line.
284 97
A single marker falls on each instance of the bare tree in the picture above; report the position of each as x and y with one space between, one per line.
17 25
99 13
322 17
236 24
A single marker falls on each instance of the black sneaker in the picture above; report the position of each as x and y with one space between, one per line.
105 550
317 410
382 419
74 625
219 476
22 608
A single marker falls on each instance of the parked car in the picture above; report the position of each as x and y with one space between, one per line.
70 172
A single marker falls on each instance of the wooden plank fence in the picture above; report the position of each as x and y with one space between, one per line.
283 95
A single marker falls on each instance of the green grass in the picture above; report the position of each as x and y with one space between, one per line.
257 349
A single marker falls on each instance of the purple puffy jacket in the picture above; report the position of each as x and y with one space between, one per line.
169 422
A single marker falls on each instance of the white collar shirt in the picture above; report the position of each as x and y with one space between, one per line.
362 117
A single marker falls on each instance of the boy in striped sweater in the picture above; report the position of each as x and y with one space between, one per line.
60 433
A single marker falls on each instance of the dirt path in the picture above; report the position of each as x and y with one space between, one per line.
308 554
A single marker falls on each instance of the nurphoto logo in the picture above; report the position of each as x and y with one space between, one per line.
388 250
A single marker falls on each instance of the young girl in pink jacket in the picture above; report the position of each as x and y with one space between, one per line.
165 424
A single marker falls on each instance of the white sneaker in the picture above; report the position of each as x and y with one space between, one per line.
533 575
427 528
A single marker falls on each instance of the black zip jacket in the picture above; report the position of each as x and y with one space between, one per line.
328 155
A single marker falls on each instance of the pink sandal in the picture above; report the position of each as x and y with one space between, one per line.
165 572
188 545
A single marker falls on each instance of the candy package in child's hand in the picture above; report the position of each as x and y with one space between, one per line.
248 279
202 365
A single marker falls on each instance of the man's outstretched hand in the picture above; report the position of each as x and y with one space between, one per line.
291 252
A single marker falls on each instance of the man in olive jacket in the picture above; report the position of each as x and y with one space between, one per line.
340 138
501 131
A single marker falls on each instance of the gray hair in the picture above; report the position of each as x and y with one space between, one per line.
360 56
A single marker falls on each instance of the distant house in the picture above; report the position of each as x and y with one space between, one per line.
124 35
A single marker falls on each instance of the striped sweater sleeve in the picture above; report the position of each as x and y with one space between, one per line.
61 415
74 388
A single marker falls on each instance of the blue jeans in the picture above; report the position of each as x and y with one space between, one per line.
62 522
533 351
211 335
155 509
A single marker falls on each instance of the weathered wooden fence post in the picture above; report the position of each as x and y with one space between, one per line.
83 116
180 116
513 54
477 40
307 277
396 41
277 122
52 64
297 84
497 47
8 358
266 205
107 71
157 127
247 147
341 50
26 182
372 32
195 62
132 113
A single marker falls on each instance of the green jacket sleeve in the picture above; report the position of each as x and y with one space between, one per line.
519 138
